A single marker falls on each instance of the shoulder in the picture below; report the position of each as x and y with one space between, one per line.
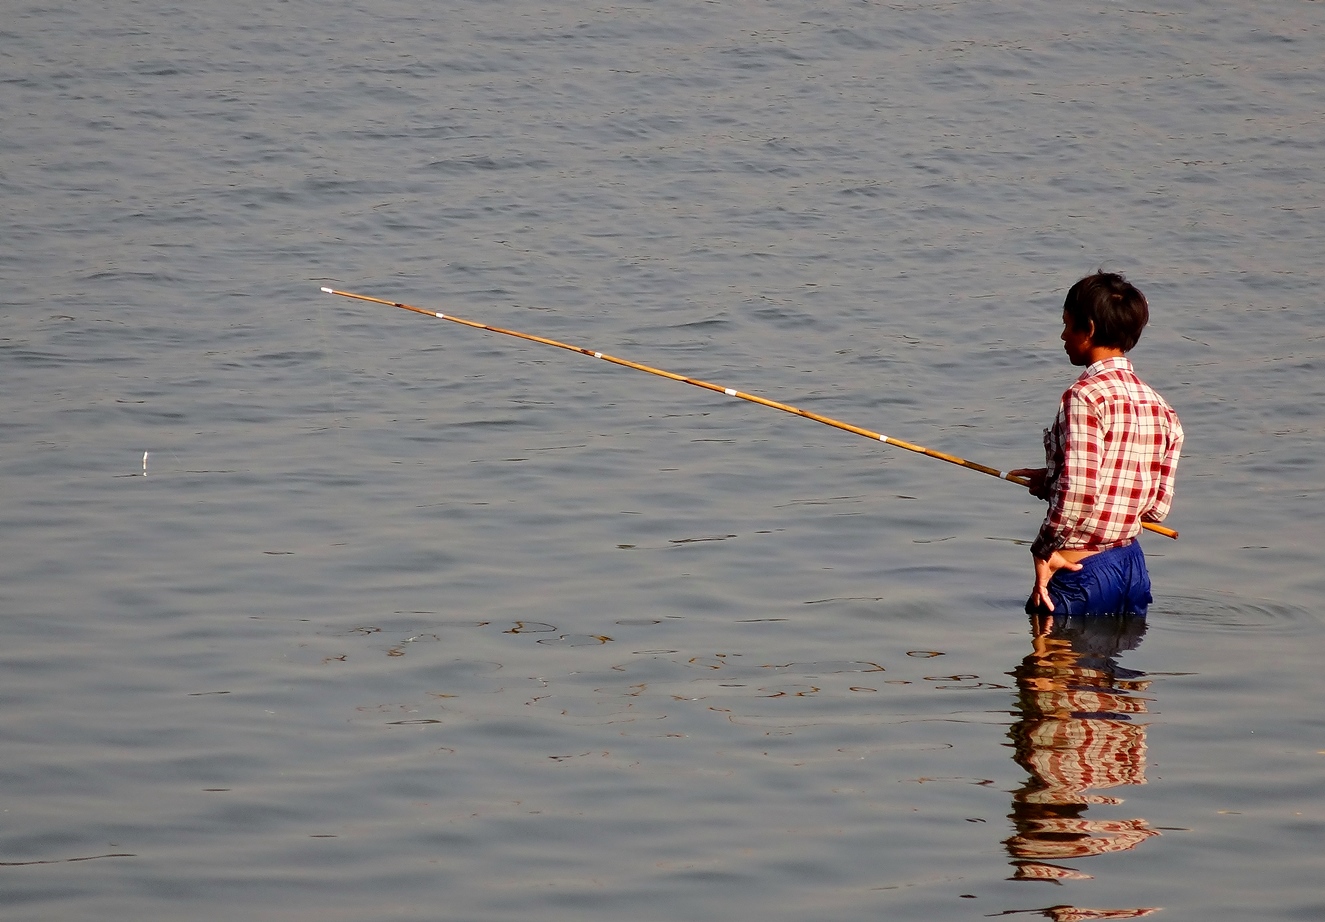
1114 379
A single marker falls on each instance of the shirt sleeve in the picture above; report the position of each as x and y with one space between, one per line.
1072 495
1166 470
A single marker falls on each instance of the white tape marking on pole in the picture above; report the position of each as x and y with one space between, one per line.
729 392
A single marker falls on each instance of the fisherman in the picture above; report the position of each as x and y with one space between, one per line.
1111 455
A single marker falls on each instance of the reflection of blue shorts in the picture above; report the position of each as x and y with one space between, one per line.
1112 582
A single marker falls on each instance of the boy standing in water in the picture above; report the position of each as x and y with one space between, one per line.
1112 455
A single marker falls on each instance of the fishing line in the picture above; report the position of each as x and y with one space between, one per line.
730 392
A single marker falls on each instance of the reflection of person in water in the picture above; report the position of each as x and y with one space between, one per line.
1076 733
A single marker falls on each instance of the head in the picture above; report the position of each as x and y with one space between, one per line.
1103 310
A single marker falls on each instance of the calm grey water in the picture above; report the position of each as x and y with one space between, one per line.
312 609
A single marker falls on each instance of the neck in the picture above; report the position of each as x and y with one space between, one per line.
1100 353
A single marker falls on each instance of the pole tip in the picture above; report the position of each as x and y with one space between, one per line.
330 291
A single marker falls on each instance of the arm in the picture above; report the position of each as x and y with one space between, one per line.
1072 495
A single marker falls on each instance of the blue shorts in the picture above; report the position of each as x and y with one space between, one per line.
1112 582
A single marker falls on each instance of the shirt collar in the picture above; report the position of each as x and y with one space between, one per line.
1120 362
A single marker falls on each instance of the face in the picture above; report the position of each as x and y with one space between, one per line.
1076 343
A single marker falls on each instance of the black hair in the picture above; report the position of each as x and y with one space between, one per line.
1114 305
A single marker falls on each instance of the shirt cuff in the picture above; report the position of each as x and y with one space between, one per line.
1045 543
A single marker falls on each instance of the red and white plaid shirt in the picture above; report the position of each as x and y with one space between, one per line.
1112 455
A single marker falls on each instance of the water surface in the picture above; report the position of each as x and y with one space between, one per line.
314 609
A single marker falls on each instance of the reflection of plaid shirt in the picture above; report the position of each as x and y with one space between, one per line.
1112 454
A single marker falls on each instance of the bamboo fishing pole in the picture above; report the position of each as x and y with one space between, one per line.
730 392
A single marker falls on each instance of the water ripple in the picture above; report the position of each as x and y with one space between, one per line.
1224 613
